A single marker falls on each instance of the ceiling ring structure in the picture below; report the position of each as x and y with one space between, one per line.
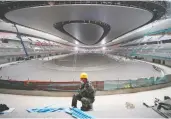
106 28
157 9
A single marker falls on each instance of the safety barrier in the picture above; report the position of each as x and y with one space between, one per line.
74 85
46 85
141 82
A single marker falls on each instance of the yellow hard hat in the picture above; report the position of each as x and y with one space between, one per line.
83 76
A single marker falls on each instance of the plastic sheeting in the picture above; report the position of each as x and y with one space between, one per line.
74 112
45 110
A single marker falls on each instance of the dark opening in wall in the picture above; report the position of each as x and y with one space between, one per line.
4 40
164 62
31 57
38 56
157 61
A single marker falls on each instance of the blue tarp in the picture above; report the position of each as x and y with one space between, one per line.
44 110
75 112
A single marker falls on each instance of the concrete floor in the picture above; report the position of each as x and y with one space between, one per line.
112 106
105 69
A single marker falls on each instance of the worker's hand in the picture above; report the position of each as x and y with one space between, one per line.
83 91
78 90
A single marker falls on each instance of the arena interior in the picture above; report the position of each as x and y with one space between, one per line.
123 46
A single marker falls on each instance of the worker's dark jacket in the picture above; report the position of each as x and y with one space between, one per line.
87 90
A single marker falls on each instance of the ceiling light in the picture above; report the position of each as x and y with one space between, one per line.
76 48
51 3
103 42
104 48
76 42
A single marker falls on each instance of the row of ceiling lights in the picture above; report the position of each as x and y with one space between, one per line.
103 48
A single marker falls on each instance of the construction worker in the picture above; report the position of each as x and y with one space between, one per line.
86 94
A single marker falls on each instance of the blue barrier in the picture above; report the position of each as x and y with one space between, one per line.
77 113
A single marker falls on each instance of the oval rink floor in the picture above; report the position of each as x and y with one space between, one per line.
99 67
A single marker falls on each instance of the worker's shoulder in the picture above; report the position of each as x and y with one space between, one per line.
89 83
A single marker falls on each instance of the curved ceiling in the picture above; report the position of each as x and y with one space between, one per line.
121 19
86 33
73 21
